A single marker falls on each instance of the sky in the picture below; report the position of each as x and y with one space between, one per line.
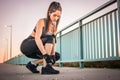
24 14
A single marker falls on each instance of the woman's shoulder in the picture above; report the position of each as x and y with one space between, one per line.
40 21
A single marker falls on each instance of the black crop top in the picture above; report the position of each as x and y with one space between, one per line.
44 28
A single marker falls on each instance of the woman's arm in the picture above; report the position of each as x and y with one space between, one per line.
39 43
54 41
38 34
54 47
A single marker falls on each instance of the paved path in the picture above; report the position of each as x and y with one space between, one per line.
18 72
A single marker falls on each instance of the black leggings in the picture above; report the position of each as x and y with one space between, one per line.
30 49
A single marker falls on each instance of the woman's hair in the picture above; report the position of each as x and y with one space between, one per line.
52 8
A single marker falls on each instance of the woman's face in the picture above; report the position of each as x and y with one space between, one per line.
54 16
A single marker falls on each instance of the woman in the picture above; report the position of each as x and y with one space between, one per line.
41 43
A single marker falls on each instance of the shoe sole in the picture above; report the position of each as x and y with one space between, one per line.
31 70
47 73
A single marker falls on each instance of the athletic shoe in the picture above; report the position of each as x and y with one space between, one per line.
32 68
49 70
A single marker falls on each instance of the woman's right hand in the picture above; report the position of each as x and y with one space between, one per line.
48 58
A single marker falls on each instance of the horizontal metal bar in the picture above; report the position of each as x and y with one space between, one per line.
89 14
91 60
101 16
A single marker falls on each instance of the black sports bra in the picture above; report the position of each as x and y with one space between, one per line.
44 28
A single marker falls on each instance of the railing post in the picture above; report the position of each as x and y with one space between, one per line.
60 64
81 44
118 5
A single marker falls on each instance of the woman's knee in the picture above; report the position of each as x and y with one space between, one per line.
57 56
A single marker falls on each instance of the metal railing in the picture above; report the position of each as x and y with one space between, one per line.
95 40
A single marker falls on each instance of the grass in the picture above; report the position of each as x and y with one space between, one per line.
97 64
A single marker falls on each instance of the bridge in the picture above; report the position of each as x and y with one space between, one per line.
93 37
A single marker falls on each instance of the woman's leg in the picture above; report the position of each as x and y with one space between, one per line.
38 61
30 49
48 48
47 68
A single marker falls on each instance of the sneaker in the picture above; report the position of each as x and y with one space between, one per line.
32 68
49 70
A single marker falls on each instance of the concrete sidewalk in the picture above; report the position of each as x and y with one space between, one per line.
18 72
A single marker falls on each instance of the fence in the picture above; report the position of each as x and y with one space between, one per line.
93 39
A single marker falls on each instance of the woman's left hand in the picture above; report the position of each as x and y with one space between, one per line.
54 59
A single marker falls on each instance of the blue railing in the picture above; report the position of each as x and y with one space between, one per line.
92 39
